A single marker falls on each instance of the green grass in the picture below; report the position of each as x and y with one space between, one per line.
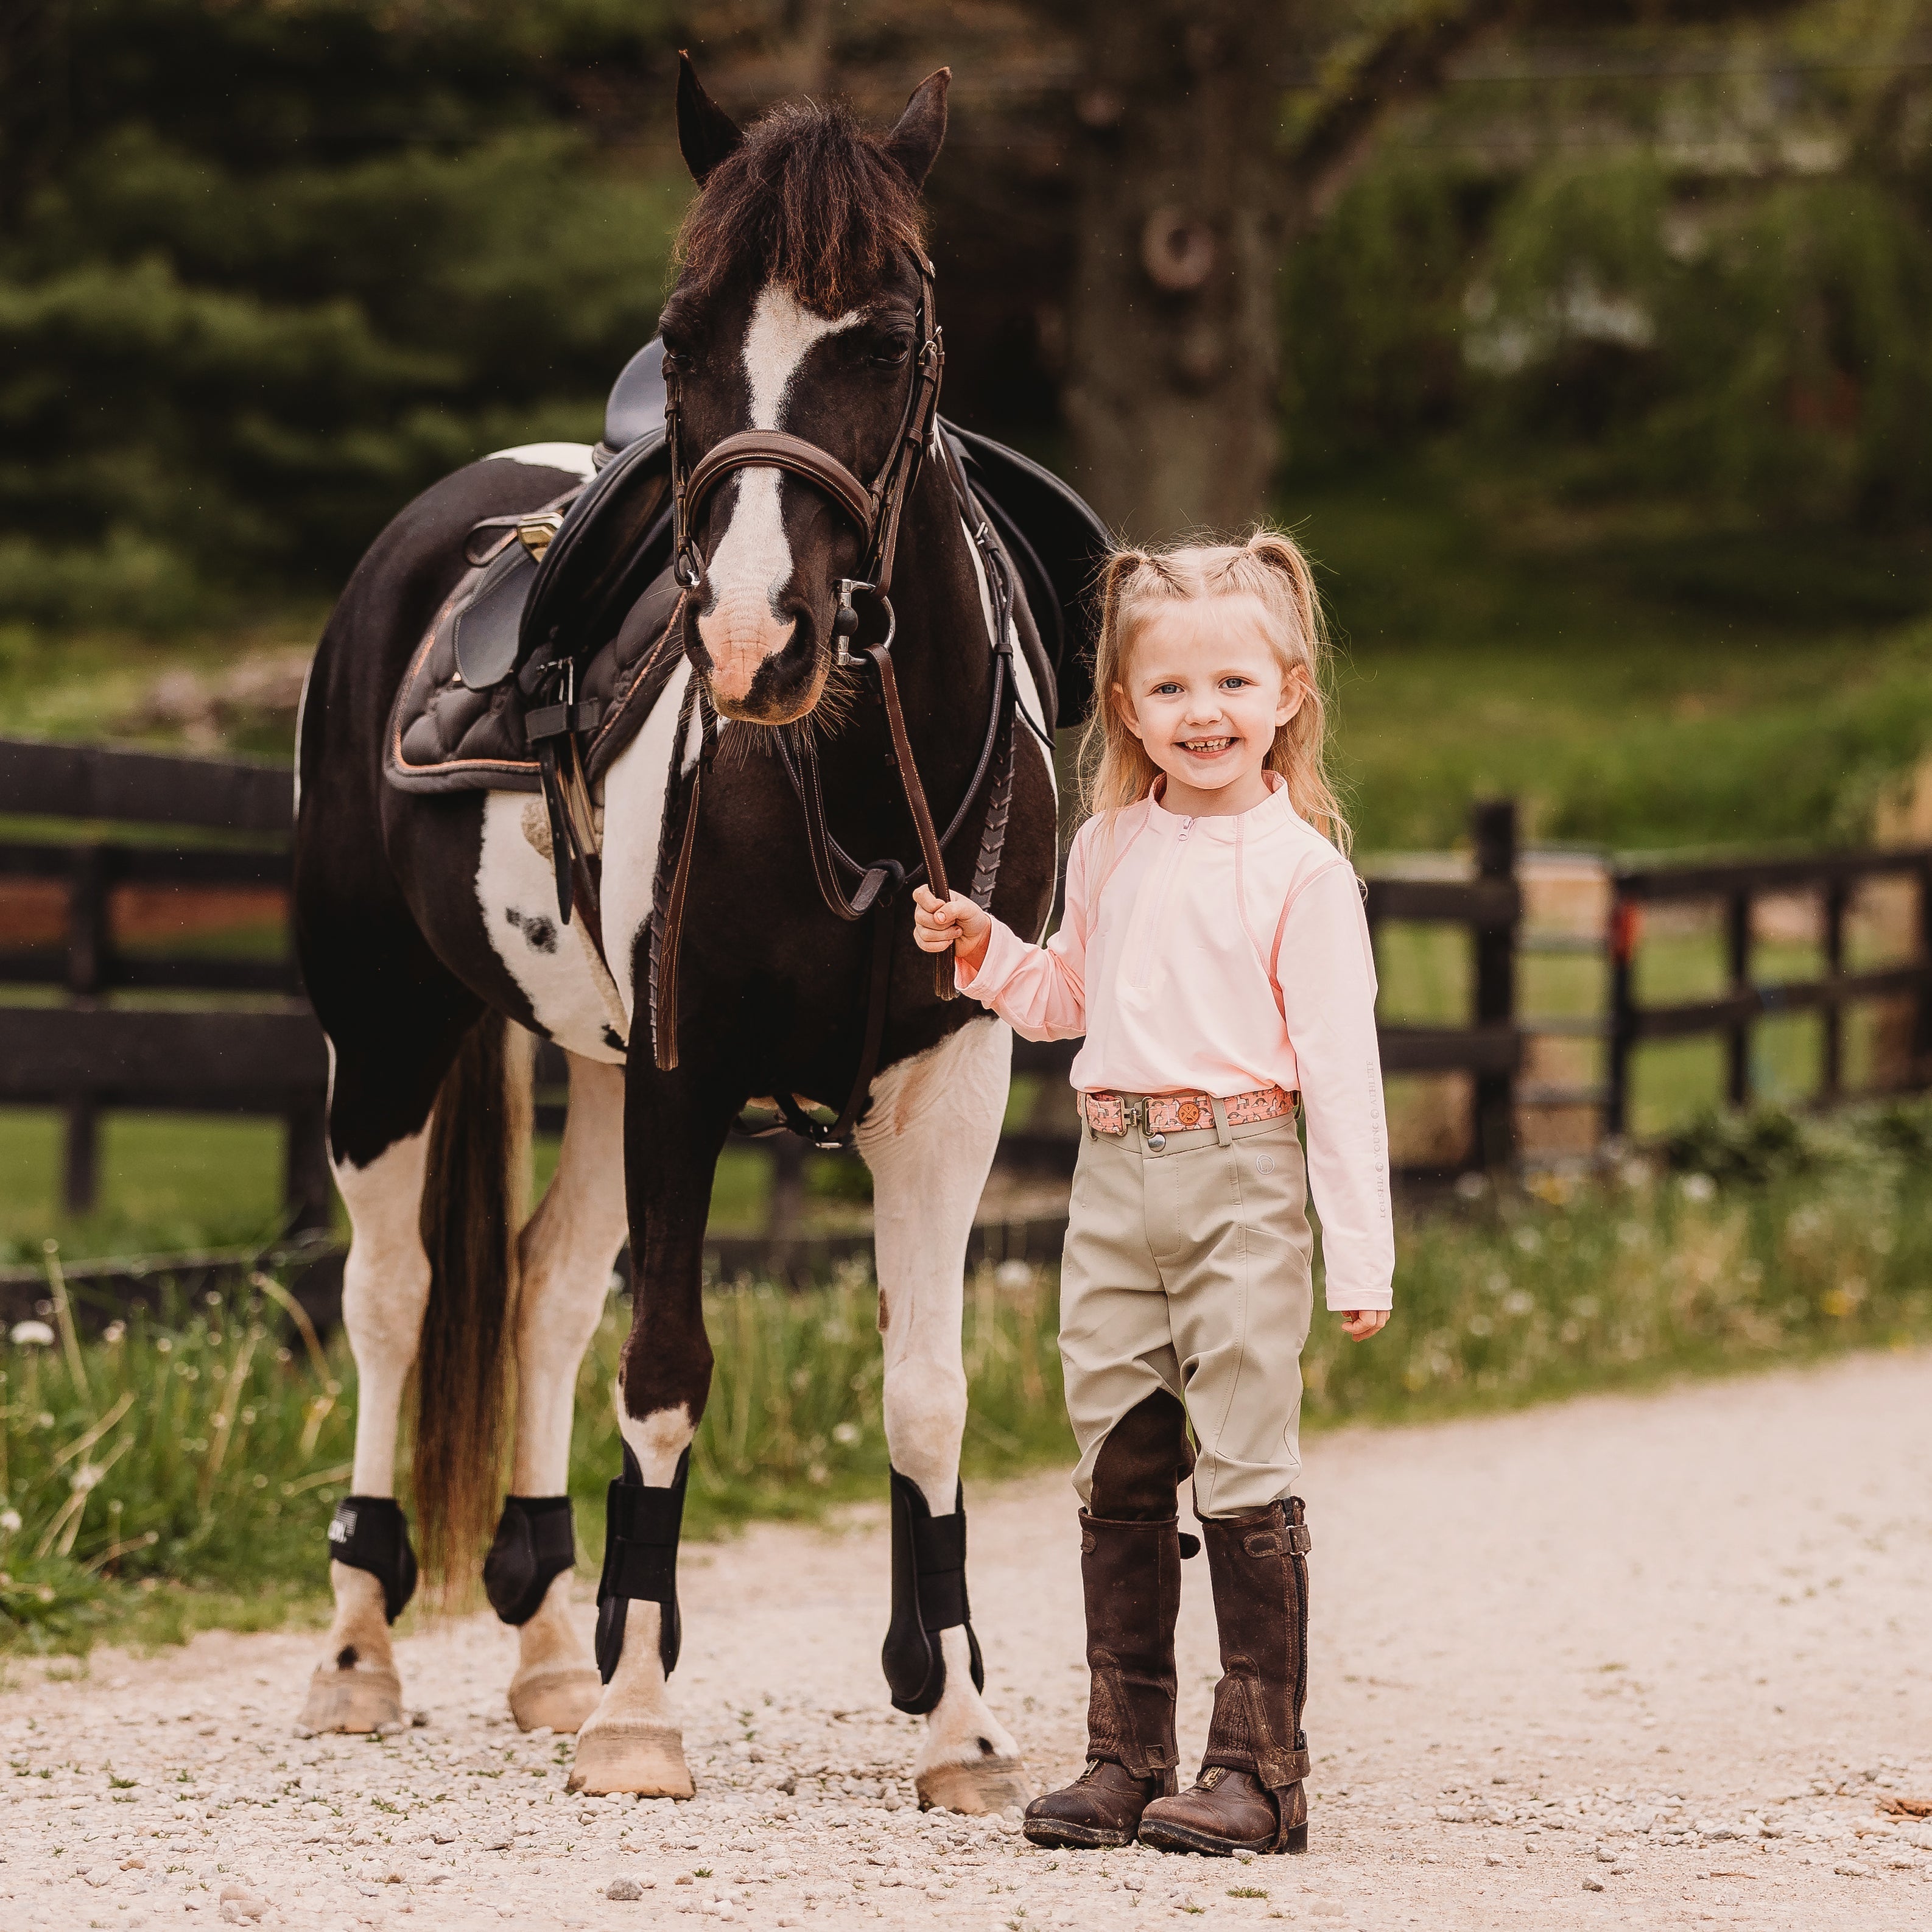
210 1452
1636 677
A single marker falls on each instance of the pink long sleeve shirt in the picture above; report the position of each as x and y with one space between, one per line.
1216 955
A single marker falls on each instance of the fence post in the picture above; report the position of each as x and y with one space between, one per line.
1737 1036
1921 1018
1626 923
1831 1073
305 1176
785 1221
1492 831
88 940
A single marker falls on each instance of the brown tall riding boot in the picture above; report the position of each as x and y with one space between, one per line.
1131 1574
1250 1796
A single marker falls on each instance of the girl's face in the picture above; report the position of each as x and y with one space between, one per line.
1205 694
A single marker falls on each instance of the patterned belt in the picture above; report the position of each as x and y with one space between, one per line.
1178 1113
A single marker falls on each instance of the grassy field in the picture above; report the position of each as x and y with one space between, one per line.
1637 677
180 1472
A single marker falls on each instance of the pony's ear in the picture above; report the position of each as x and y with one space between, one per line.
914 141
706 133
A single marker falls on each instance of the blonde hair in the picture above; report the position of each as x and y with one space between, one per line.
1115 769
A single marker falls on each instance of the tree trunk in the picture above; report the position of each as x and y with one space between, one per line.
1171 323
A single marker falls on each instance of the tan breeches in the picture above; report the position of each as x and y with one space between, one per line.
1187 1269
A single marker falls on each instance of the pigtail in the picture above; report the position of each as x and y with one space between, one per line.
1273 567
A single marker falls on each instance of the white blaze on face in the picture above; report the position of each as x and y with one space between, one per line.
752 565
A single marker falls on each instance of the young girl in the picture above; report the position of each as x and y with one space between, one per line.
1215 955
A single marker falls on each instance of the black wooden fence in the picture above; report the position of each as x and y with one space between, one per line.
1734 887
95 1024
225 1035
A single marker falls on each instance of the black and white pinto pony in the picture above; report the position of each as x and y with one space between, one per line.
429 939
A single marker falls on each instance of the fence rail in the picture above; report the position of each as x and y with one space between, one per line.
1736 886
209 1055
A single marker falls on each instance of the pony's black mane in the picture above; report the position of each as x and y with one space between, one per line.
809 198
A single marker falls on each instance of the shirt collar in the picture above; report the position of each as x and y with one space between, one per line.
1275 809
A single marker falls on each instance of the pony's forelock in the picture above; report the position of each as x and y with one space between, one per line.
809 199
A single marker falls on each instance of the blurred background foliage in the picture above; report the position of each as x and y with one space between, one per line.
1583 342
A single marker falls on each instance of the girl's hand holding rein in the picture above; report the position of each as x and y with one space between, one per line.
958 924
1359 1324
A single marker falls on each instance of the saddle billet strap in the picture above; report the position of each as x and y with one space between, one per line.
508 528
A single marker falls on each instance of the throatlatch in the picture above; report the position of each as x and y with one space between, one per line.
928 1596
535 1543
371 1533
641 1530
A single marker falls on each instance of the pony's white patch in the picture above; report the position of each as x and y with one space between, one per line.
516 888
576 458
564 1257
752 564
385 1292
657 1440
929 1138
634 806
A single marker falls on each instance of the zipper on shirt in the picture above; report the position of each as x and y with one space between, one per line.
1137 958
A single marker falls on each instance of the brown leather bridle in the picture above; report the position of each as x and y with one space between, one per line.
874 509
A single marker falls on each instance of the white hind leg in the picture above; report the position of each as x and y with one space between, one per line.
566 1254
929 1138
385 1291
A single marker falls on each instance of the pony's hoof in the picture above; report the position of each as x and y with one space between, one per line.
624 1755
365 1697
562 1695
990 1784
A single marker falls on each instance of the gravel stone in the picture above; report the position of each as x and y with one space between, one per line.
1453 1643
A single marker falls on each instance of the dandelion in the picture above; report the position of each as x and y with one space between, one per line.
113 1332
1698 1187
846 1433
1014 1275
31 1335
10 1523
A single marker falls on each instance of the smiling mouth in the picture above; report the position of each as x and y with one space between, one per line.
1205 748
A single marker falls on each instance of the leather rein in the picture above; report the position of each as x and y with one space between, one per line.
874 510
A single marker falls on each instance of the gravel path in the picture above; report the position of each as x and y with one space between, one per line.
1632 1662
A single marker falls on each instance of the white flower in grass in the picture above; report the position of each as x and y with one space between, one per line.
32 1335
1698 1187
845 1433
10 1521
87 1475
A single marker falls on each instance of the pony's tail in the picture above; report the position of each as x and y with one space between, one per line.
474 1196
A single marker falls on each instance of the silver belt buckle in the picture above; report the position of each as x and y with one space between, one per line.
1145 1115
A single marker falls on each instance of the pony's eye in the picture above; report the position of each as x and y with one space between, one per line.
890 351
